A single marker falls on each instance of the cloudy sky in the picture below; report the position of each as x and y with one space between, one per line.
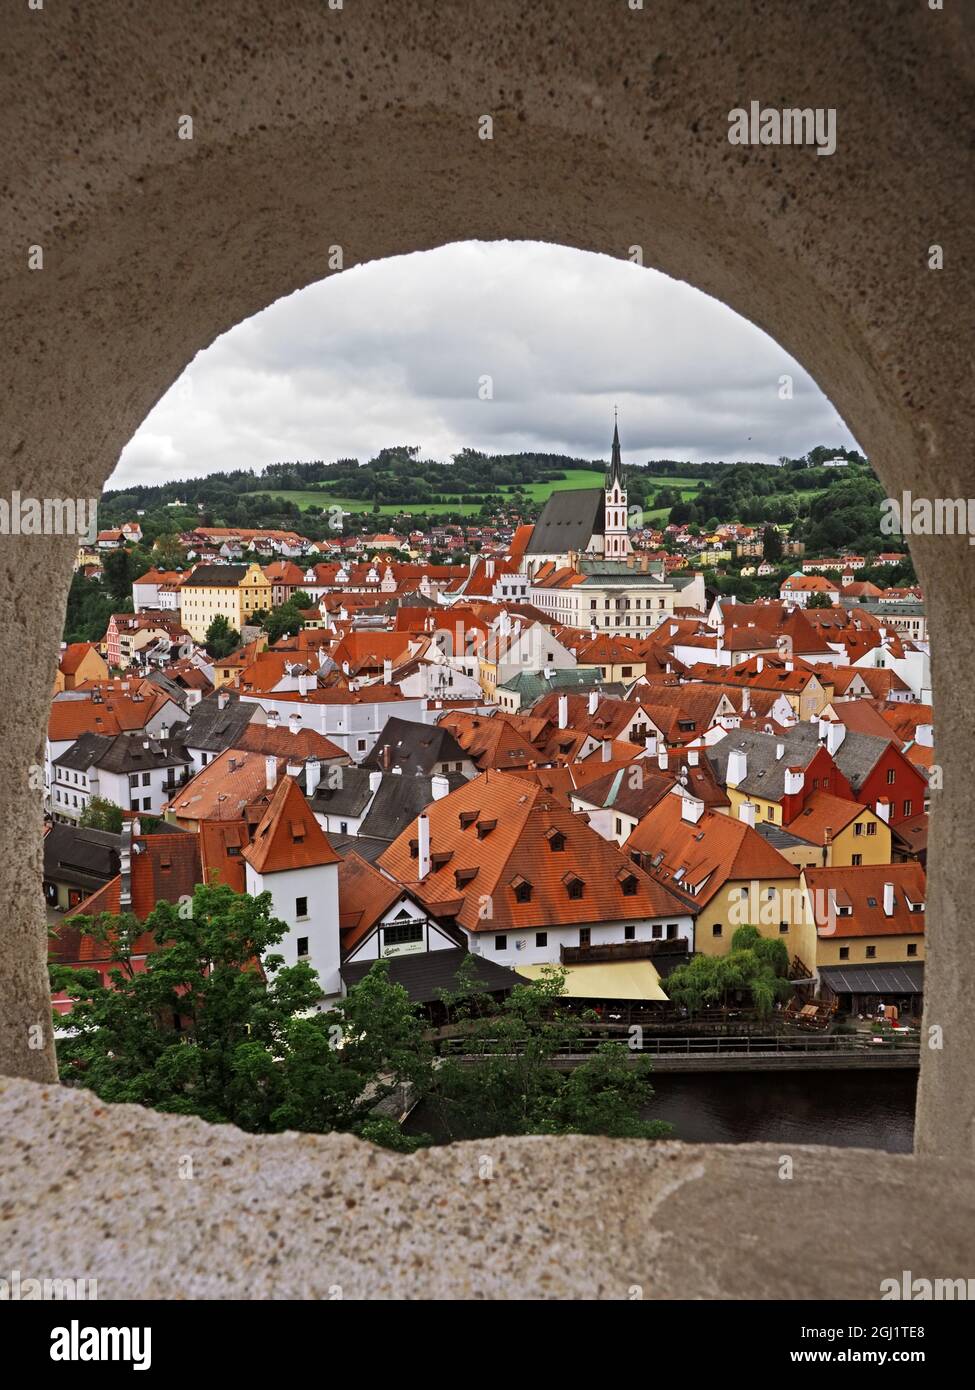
396 352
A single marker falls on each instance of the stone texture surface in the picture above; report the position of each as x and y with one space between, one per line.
305 1216
358 127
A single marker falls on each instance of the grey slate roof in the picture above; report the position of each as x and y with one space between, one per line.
426 973
349 798
221 575
399 800
568 520
75 855
213 729
765 774
415 746
778 838
874 979
122 753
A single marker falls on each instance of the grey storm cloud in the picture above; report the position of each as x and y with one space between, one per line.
396 352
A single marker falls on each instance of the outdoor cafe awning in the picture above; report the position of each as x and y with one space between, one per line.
874 979
619 979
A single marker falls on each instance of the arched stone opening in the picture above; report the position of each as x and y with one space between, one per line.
359 128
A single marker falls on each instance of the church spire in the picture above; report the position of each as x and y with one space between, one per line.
614 473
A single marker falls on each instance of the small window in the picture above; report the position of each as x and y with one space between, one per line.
871 953
360 744
145 779
301 908
891 776
717 929
541 939
585 936
856 860
908 807
657 931
523 892
343 827
912 948
783 929
872 826
556 841
671 931
500 943
844 953
629 932
302 946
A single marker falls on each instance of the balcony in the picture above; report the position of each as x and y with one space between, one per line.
621 950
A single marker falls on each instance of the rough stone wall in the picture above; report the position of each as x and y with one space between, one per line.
358 127
225 1215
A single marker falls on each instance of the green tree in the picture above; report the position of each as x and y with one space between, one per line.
117 576
216 1025
221 639
756 967
500 1080
819 601
771 545
101 814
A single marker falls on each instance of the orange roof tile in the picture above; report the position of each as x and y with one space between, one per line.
289 836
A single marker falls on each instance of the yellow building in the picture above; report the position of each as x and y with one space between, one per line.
234 592
80 661
874 913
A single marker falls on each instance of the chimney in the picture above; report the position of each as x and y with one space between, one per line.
888 900
924 735
593 701
607 750
129 828
835 734
563 711
883 810
662 756
164 731
387 672
795 780
737 768
223 699
789 666
273 718
376 779
294 723
303 684
759 664
746 813
423 845
294 766
691 809
313 775
439 787
270 772
651 745
693 757
746 700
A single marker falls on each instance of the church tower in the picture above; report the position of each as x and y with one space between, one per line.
616 537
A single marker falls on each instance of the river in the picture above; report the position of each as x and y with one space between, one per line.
848 1109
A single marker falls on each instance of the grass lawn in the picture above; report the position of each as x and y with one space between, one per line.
537 492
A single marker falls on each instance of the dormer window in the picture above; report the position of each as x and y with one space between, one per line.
556 841
574 885
464 876
442 857
628 883
467 818
522 889
297 832
484 828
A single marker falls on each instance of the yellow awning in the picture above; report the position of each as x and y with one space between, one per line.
618 979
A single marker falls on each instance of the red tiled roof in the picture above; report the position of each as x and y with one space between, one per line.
289 836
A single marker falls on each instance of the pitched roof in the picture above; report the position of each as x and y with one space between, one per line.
414 746
568 520
500 832
364 896
703 854
862 889
288 836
